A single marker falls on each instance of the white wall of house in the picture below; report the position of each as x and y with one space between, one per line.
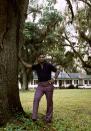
65 83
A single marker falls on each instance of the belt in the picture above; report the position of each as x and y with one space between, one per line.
44 84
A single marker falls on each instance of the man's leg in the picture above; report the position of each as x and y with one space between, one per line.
49 97
38 94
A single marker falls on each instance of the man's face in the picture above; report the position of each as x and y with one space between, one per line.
41 58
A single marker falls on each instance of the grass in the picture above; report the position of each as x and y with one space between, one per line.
72 112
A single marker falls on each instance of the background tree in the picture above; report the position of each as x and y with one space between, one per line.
39 35
48 34
81 24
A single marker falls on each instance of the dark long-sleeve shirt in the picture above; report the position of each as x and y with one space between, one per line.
44 74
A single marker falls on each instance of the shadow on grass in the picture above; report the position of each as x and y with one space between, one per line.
25 123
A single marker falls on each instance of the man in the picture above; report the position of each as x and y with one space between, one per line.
45 85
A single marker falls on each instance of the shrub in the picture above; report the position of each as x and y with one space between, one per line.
62 87
71 87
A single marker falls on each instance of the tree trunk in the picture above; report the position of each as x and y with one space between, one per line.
25 79
12 16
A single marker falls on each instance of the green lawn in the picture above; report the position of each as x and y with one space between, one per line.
72 112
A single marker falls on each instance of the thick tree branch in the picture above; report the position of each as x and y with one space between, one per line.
71 9
84 63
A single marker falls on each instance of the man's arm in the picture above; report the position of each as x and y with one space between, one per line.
25 64
55 77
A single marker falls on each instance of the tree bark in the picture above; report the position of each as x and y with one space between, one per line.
12 16
25 79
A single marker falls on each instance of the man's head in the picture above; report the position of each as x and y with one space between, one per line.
41 58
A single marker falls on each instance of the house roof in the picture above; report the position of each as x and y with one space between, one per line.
64 75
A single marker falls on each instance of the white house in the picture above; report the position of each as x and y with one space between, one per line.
66 79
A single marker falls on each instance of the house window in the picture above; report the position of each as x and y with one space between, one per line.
68 81
89 81
31 82
55 82
75 81
60 82
35 82
85 81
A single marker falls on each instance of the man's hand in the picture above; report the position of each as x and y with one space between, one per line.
51 81
24 63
